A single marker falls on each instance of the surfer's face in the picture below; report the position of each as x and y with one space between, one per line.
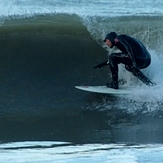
108 43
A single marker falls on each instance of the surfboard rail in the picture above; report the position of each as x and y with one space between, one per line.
104 89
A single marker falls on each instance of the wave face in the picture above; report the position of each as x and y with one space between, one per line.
49 47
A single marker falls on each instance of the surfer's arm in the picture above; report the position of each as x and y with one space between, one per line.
101 65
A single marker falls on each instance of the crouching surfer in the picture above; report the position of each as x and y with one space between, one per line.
133 55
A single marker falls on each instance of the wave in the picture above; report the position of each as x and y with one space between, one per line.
44 57
47 49
53 53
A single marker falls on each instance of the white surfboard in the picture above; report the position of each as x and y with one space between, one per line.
105 90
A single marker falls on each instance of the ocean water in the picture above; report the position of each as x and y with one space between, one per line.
48 47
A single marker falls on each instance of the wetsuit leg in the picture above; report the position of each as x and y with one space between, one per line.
114 60
136 72
113 68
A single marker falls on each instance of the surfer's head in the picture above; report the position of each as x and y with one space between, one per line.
109 39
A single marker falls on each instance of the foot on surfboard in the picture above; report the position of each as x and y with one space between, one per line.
113 85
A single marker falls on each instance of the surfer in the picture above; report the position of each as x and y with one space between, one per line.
133 55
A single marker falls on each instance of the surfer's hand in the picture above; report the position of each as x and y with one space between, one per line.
101 65
98 66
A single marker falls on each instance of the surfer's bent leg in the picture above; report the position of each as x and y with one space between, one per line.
136 72
114 60
113 66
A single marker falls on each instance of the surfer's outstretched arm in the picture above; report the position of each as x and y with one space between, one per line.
101 65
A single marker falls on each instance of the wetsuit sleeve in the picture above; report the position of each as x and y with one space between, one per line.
101 65
128 49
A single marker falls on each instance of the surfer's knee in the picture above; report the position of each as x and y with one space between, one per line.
135 71
129 68
132 69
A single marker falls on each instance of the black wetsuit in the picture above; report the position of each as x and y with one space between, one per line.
133 54
132 51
